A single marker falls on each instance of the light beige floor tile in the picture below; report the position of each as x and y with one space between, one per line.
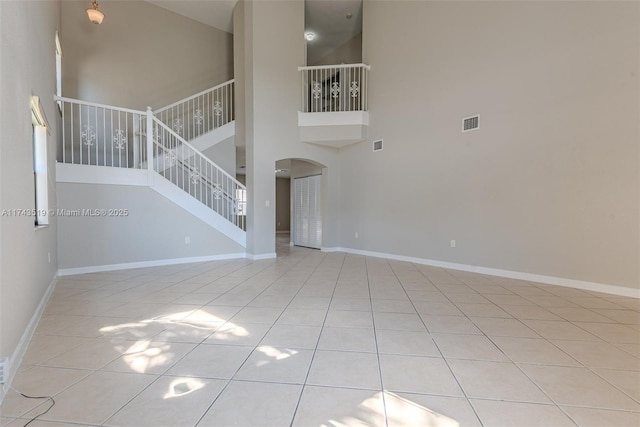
531 312
551 301
348 339
149 357
411 374
15 405
44 347
276 364
392 306
579 314
559 330
534 351
211 361
38 423
503 327
450 324
92 354
408 343
200 298
327 406
256 315
599 355
170 401
513 414
349 319
437 308
409 410
97 397
627 381
587 417
254 404
292 336
345 369
578 386
46 381
471 297
312 303
355 304
426 295
245 334
71 326
302 317
483 310
612 332
399 321
627 317
592 302
474 347
213 313
496 380
502 299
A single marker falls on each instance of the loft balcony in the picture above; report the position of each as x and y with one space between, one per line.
334 104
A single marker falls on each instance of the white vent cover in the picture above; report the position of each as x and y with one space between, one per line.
470 123
377 145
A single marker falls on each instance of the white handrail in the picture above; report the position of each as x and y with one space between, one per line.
160 110
192 148
326 67
93 104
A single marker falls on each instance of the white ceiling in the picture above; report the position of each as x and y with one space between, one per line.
326 18
215 13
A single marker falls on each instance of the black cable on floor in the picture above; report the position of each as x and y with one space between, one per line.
53 402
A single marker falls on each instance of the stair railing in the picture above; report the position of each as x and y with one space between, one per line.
186 167
200 113
101 135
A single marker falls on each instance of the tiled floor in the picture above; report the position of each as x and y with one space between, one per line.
315 339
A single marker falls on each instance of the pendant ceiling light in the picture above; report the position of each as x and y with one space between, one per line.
94 13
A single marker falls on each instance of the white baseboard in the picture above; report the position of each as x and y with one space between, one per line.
261 256
25 339
142 264
549 280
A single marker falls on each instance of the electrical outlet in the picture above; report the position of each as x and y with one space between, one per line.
453 243
187 240
356 235
49 256
3 369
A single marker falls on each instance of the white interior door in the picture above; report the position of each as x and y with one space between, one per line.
307 219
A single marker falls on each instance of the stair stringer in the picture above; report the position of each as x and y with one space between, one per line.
190 204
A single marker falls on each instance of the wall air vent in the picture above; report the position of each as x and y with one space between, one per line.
470 123
377 145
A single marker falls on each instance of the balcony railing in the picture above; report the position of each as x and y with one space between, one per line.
334 88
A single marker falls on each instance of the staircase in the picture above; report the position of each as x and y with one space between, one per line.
102 140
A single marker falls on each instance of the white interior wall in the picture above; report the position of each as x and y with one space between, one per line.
550 182
273 48
154 228
28 257
141 55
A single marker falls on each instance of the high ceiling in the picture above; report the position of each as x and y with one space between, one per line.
215 13
326 18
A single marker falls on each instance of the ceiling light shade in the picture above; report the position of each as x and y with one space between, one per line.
94 13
